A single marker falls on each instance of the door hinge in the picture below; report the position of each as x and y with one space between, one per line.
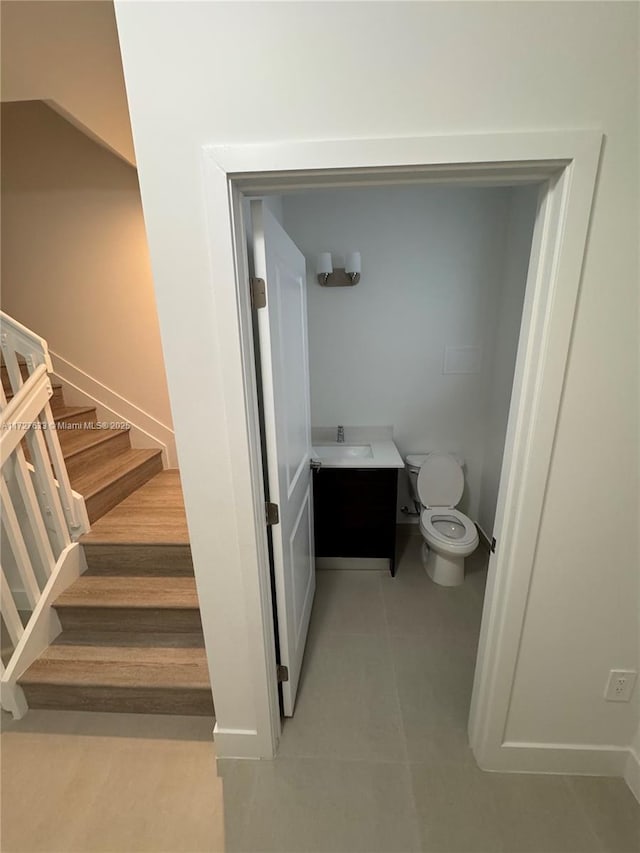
493 545
283 673
258 293
272 513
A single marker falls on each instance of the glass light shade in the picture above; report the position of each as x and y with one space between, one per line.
353 263
324 266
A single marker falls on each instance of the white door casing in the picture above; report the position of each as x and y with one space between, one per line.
284 362
565 162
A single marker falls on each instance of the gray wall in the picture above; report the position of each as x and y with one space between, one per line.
505 333
433 260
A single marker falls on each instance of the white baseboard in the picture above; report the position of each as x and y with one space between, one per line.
146 431
407 521
409 527
556 758
632 773
238 743
357 564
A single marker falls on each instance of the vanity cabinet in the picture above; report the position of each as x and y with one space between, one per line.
355 512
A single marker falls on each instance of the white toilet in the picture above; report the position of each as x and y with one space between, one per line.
436 482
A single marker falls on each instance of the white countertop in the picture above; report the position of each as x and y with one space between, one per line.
384 453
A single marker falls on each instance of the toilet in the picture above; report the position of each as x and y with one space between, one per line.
436 482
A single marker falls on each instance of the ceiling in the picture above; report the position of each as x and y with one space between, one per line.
67 54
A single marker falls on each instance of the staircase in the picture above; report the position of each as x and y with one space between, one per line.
102 465
131 636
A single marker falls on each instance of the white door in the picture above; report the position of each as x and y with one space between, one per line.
284 361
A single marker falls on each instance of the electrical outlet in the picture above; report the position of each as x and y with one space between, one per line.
620 685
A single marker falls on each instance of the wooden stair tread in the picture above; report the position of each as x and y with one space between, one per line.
121 666
138 559
77 440
112 591
109 470
72 411
132 638
74 418
135 639
153 514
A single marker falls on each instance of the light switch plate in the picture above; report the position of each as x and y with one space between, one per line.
462 360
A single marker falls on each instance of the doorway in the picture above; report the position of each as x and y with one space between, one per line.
565 165
419 354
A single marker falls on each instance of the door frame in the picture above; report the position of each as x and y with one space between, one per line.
565 165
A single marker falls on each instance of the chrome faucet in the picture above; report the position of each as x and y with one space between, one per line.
340 435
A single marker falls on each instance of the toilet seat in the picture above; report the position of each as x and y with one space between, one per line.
440 481
450 529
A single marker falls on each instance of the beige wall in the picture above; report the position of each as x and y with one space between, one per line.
413 69
67 52
75 261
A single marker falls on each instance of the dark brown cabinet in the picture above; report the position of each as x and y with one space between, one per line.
355 512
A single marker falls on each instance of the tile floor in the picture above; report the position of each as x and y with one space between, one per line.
375 759
75 782
376 756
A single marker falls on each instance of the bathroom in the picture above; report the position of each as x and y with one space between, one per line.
425 345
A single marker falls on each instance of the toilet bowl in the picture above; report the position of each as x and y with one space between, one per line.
437 482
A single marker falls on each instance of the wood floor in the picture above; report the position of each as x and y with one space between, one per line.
152 514
132 637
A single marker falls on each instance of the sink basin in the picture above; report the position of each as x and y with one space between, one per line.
343 451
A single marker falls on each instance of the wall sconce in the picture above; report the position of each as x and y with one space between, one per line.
341 276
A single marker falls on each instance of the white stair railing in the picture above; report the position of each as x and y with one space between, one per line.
42 517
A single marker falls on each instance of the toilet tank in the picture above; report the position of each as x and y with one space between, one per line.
412 465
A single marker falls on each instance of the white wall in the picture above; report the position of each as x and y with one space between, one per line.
67 52
632 772
411 69
432 265
504 332
75 259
